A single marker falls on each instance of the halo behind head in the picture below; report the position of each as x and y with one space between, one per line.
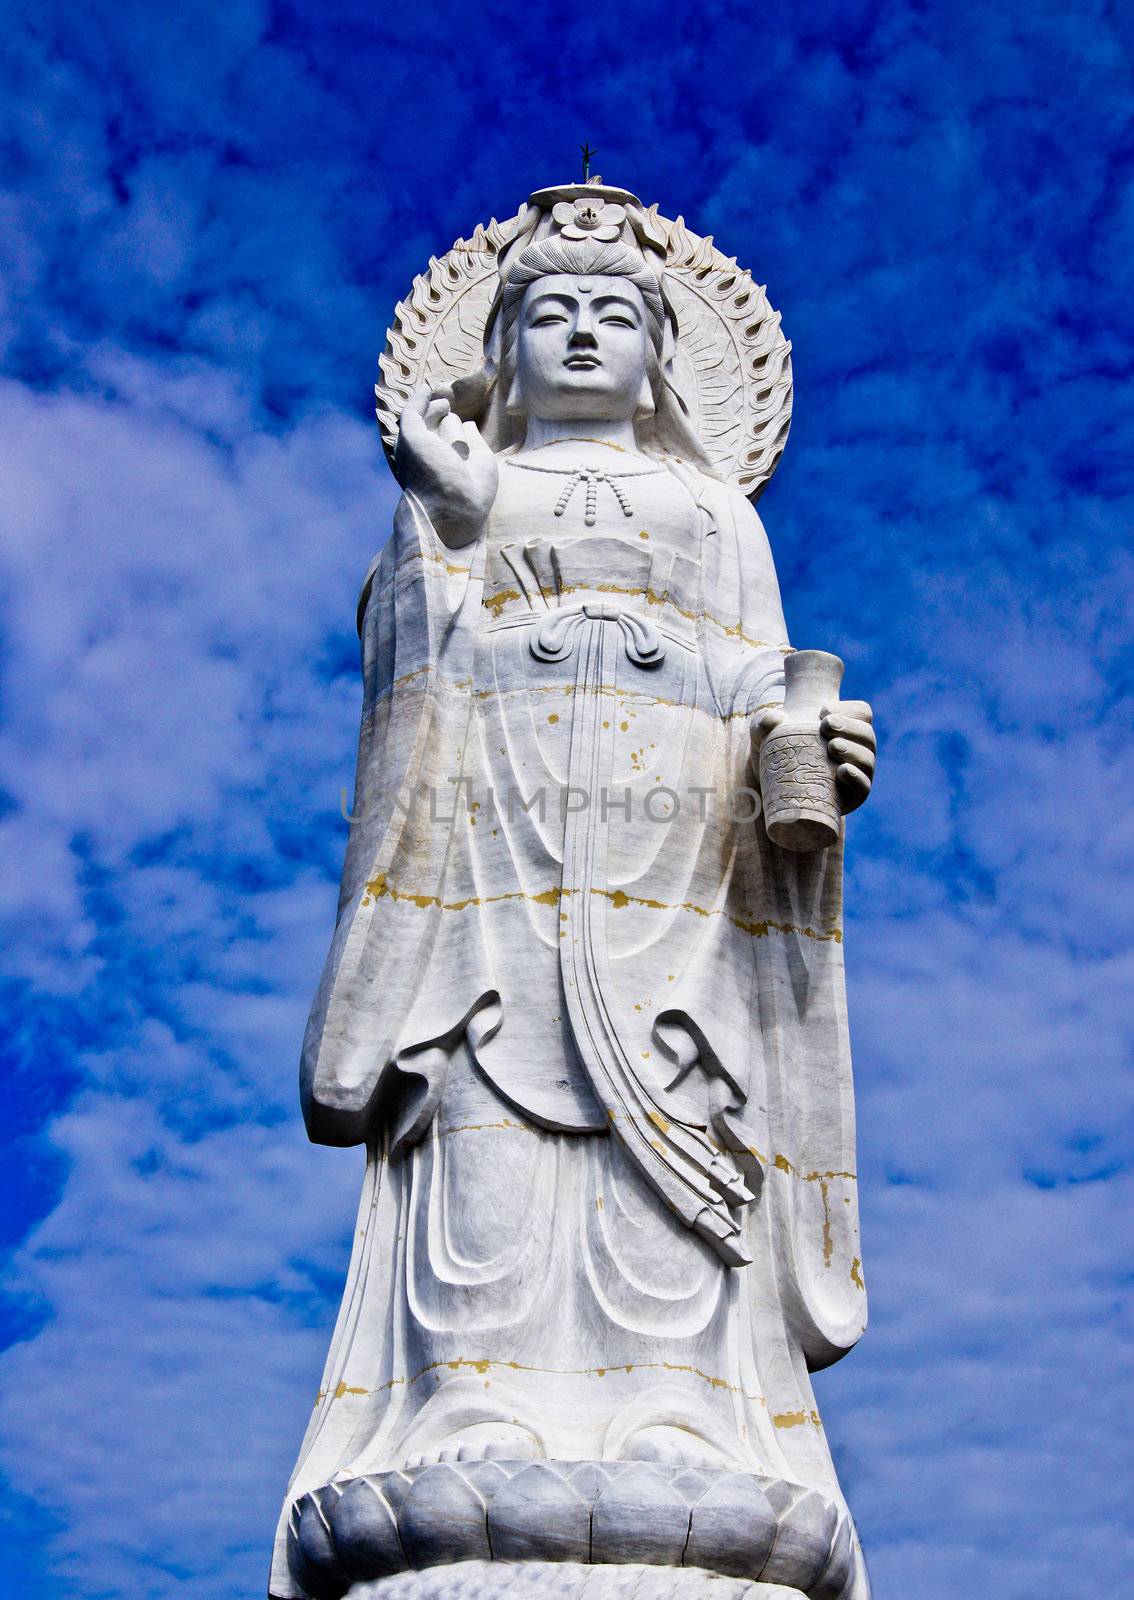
724 371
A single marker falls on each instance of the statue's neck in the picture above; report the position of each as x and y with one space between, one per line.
590 430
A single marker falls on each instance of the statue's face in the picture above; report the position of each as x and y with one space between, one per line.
581 351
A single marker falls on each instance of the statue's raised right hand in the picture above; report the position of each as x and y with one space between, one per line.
446 464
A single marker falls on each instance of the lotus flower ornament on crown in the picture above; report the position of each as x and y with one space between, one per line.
585 217
584 1006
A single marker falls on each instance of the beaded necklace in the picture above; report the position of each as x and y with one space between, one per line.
591 477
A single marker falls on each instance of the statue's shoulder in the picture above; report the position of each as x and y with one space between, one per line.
728 504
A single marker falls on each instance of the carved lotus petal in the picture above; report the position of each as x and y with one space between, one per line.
487 1477
539 1516
803 1544
605 233
616 1512
691 1482
365 1532
588 218
610 215
733 1527
442 1519
639 1518
312 1554
394 1486
591 1478
839 1572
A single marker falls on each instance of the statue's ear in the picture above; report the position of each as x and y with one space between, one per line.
493 339
669 344
514 404
646 406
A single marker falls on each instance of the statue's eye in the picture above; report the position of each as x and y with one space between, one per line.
547 318
619 319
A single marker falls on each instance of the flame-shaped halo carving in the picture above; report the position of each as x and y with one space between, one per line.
733 366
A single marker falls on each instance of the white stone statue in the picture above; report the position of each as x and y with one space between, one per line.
585 1013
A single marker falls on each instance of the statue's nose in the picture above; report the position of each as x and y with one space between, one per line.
583 334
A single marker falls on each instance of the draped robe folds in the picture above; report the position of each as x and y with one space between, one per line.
495 970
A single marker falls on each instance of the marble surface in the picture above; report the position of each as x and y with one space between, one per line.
608 1513
584 1009
537 1580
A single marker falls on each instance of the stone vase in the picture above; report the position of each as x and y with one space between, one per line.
797 777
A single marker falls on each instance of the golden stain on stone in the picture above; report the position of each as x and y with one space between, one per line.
782 1164
484 1364
496 602
341 1388
796 1419
505 1125
379 888
502 597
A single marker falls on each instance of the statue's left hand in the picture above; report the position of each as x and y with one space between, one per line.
447 465
848 729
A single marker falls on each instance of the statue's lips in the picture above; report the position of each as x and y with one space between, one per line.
582 363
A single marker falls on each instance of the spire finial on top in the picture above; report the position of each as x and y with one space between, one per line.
588 156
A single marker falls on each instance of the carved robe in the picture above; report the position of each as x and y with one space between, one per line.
548 1020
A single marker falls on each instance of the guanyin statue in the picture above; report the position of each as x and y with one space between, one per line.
584 1005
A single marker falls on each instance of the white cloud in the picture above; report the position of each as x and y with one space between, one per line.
170 603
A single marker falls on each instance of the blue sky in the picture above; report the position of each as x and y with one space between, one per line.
208 212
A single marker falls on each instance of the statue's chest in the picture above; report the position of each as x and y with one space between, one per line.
642 504
590 612
559 538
